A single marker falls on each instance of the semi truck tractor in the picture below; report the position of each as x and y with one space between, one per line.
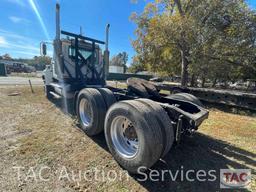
139 123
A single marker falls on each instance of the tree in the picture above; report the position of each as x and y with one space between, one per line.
225 41
40 62
6 56
136 66
164 35
120 60
200 39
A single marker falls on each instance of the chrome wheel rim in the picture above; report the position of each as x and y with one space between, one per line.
124 137
85 112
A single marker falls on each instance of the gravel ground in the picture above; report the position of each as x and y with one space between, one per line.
13 80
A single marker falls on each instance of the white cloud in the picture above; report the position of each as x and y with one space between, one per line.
23 46
14 43
15 19
17 2
13 35
19 45
13 47
3 42
27 53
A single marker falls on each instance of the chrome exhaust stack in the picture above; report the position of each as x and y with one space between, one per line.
59 65
57 21
107 35
106 53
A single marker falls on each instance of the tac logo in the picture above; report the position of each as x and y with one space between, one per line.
236 178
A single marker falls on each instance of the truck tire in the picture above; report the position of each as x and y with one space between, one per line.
164 122
186 97
132 135
137 88
108 96
142 87
47 89
91 111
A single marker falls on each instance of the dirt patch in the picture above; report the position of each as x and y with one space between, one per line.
37 137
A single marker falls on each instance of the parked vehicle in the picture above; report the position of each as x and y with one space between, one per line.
140 124
239 85
20 68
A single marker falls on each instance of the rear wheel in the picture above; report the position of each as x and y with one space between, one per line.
91 110
132 135
108 96
164 122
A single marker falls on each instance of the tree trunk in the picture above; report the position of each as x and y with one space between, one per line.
184 68
192 82
203 82
214 82
226 84
184 48
124 69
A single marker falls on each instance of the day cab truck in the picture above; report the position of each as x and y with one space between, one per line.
139 123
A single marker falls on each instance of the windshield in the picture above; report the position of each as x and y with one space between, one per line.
85 53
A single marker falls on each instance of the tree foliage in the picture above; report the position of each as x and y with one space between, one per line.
201 39
6 56
136 66
120 60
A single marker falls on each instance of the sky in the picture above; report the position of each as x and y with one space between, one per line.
25 23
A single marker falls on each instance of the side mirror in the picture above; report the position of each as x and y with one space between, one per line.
43 49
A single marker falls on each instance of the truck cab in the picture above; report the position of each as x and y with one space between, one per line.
86 67
78 62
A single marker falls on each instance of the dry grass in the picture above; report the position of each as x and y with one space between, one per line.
28 75
236 129
34 132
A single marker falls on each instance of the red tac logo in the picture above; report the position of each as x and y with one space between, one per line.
237 178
